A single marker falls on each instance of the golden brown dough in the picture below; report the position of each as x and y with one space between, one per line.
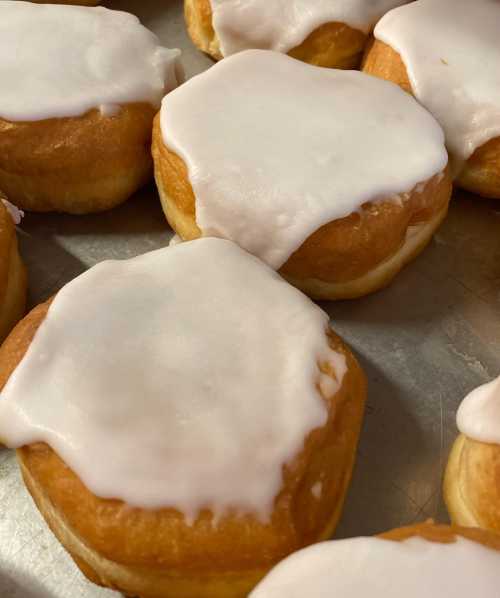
444 534
156 554
79 2
334 45
13 280
481 172
472 484
79 164
345 258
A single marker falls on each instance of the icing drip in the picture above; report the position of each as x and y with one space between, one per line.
175 240
15 213
278 148
478 416
451 50
282 25
155 378
61 61
380 568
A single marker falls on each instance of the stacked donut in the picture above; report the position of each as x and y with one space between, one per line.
187 419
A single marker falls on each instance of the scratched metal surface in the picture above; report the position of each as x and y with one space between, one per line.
424 342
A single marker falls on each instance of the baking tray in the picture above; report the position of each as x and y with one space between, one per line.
424 342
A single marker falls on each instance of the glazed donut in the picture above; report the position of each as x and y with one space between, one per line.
440 68
12 272
330 177
76 137
80 2
419 560
471 483
322 32
203 425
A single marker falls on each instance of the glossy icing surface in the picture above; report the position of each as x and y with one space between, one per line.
282 25
278 148
478 416
155 379
61 61
380 568
451 50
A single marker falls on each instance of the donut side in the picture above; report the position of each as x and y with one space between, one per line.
443 534
481 172
334 45
345 258
76 165
79 2
154 553
13 279
472 484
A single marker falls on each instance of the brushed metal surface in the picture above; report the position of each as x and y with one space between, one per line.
424 343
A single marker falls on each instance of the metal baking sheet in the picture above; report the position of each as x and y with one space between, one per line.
424 343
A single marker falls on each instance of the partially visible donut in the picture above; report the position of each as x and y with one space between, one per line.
440 67
420 560
325 33
472 479
13 280
75 138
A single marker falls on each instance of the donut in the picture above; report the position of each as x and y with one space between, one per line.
329 33
75 138
334 178
420 560
12 271
203 425
471 483
441 70
80 2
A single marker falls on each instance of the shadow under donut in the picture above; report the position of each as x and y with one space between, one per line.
22 587
392 470
58 247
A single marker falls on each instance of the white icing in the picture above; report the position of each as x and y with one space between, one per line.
175 240
451 50
282 25
61 61
15 213
185 377
317 490
380 568
478 416
278 148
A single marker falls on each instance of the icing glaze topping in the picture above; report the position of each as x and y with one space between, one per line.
451 50
154 379
15 213
478 416
61 61
278 148
282 25
414 568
